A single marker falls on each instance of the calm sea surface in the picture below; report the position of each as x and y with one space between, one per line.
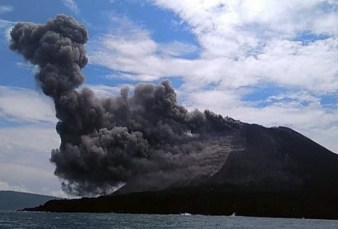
18 220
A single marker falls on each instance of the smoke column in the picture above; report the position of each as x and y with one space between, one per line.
146 139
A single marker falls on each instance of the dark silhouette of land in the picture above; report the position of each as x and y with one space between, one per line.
271 172
11 200
207 200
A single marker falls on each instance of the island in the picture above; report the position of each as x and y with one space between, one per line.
276 172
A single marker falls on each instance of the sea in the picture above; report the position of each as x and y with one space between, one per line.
24 220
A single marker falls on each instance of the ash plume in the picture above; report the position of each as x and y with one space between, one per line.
145 138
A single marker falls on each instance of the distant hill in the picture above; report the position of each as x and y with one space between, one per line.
11 200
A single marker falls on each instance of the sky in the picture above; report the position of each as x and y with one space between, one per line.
269 62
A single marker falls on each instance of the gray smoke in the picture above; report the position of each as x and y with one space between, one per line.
146 138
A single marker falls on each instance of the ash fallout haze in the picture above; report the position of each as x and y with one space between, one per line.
131 94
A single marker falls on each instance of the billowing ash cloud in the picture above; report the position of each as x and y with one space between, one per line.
145 137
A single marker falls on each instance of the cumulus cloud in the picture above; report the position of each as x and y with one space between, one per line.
235 51
130 50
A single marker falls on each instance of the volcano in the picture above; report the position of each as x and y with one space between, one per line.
169 159
274 172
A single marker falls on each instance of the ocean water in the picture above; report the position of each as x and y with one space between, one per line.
24 220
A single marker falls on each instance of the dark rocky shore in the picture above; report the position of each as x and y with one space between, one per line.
208 201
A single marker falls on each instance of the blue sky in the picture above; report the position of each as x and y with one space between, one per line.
266 61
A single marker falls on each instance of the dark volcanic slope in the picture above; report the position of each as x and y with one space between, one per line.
267 159
268 172
280 159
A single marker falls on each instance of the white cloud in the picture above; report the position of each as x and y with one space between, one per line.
28 144
24 159
4 23
23 105
6 9
286 18
312 67
5 28
6 186
28 179
177 49
103 91
129 49
316 67
71 4
235 51
27 135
